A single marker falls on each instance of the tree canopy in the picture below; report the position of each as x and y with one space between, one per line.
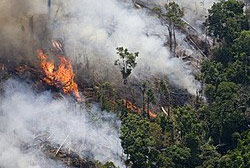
214 133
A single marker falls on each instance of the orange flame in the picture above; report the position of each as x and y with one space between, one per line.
130 106
62 76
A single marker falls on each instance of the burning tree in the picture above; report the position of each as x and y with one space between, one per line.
126 63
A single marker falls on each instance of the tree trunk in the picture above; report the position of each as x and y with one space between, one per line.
175 43
148 110
170 38
125 81
143 103
172 131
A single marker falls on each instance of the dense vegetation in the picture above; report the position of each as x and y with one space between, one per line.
214 132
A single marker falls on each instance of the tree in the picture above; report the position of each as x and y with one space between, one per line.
224 117
190 131
241 45
212 72
143 144
165 95
173 15
161 160
106 165
241 49
150 99
239 157
226 20
136 140
126 62
209 156
238 72
210 92
143 90
180 156
105 93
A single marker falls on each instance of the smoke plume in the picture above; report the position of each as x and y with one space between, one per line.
195 10
96 28
23 28
93 29
24 115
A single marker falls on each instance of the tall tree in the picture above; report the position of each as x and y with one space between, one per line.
150 99
226 20
173 15
137 140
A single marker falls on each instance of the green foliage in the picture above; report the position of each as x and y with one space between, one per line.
210 92
242 45
174 13
190 131
144 144
126 62
239 157
226 20
106 165
187 121
150 96
233 65
136 140
239 70
209 156
215 134
212 72
224 115
227 82
105 93
160 160
180 156
223 54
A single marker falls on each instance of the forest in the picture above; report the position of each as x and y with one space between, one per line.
171 109
214 130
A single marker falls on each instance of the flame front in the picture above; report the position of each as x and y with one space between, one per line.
62 76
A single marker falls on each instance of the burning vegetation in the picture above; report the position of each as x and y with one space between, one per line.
61 76
146 110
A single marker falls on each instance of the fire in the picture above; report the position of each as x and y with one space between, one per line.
61 76
130 106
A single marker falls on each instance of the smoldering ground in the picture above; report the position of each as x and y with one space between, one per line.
25 114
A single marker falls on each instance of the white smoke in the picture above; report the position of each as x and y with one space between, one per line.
25 114
98 27
94 28
195 10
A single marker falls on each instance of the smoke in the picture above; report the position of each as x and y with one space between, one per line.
93 29
195 11
96 28
24 115
23 28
